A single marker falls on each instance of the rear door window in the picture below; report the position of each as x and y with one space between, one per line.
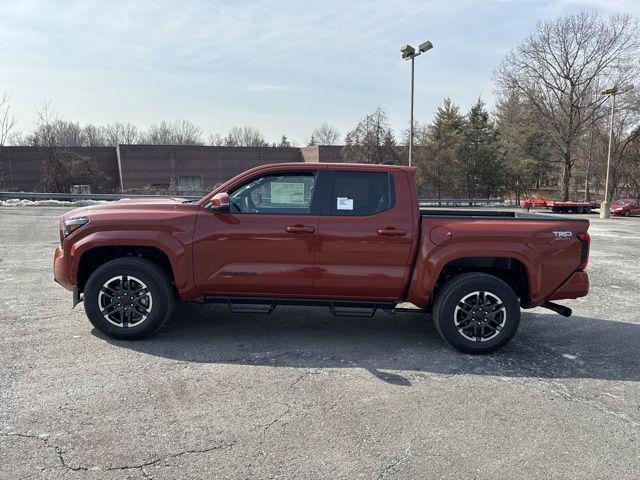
361 193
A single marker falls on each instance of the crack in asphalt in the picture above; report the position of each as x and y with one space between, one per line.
307 374
277 419
393 464
58 451
567 395
139 466
193 451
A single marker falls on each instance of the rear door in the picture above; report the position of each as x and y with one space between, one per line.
365 235
266 245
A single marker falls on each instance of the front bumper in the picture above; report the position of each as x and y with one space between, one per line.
577 285
61 269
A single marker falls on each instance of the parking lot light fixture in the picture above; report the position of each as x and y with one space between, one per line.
409 53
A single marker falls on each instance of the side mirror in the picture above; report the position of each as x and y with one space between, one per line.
220 203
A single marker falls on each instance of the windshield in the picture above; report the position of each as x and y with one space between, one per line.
624 202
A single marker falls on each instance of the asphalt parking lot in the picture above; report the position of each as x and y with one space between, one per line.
301 394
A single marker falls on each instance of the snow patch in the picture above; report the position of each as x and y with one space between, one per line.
14 202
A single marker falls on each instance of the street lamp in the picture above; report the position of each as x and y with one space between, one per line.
409 53
612 91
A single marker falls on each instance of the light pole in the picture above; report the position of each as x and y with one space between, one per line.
409 53
612 91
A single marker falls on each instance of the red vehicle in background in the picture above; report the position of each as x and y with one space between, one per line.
625 207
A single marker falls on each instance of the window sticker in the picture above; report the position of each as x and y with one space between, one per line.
345 203
288 193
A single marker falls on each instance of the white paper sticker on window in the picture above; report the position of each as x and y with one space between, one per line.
287 193
345 203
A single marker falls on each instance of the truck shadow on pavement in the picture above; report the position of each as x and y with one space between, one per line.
395 348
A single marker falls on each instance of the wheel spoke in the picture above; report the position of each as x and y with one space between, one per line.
465 307
465 323
482 327
110 308
108 291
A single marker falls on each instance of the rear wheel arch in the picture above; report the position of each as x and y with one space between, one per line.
510 270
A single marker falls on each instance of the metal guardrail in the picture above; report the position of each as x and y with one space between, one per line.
71 197
462 202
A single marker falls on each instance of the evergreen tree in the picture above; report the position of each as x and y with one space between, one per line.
480 157
436 155
526 143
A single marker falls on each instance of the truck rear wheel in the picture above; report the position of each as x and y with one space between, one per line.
128 298
476 313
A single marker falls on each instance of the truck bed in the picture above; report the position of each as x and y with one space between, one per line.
442 212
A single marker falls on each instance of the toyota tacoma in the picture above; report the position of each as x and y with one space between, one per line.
351 237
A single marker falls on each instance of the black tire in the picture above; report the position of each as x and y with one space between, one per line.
158 303
507 319
627 213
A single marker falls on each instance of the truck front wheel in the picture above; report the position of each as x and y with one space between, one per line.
128 298
476 313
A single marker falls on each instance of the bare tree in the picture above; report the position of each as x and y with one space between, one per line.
62 166
187 133
93 136
560 69
626 133
324 134
121 134
179 132
245 137
216 140
372 141
7 121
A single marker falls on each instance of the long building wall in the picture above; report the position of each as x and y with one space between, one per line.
135 167
21 167
143 165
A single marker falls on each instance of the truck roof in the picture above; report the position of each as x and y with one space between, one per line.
306 166
337 166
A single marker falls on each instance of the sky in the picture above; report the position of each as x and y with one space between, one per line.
280 66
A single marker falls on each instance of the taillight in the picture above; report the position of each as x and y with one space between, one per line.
585 240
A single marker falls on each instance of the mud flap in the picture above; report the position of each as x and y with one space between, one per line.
76 298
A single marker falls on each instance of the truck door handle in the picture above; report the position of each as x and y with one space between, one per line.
392 232
299 229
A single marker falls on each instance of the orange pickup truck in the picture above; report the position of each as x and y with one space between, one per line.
348 236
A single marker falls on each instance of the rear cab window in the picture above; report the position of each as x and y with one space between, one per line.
359 194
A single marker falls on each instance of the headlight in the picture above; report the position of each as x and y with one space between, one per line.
73 224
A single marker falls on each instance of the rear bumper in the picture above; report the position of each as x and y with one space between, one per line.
577 285
61 270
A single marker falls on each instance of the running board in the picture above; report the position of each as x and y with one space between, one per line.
340 308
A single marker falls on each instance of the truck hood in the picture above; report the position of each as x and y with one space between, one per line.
126 205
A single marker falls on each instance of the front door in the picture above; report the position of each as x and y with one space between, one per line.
266 245
365 236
